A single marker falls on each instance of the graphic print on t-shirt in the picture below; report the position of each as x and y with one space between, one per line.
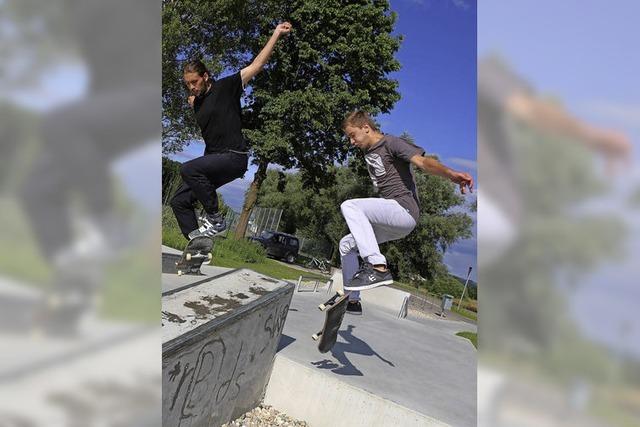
375 167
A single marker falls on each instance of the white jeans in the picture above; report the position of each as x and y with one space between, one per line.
370 221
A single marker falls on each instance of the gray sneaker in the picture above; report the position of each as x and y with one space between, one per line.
368 278
211 224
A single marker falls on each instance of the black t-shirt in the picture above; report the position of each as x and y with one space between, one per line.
219 115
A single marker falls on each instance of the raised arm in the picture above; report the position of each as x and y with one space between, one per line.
434 167
259 61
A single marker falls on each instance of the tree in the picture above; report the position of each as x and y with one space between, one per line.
216 31
439 226
338 58
316 214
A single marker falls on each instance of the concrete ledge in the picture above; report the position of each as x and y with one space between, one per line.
322 400
219 340
386 297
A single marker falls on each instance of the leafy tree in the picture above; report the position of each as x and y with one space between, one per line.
439 226
316 214
216 31
338 58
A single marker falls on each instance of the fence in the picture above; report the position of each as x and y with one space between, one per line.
318 248
261 219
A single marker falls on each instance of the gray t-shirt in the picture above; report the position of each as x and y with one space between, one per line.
388 162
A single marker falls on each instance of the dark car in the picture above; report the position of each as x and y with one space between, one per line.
279 245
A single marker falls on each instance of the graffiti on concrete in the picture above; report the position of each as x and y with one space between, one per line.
204 380
274 323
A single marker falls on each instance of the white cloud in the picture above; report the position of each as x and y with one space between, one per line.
468 164
462 4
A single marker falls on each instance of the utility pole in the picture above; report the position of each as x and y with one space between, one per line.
465 287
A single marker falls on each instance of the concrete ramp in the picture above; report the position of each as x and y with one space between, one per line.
220 336
309 395
383 370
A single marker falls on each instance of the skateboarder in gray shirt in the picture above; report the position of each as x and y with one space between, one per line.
392 216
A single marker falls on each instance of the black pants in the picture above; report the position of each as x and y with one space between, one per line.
201 178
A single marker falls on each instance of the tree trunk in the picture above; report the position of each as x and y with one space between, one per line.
250 199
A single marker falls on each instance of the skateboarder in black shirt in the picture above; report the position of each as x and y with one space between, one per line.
216 104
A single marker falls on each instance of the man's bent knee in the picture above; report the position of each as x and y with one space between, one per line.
187 169
346 205
178 203
347 244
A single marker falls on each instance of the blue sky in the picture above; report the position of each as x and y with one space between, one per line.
438 89
585 55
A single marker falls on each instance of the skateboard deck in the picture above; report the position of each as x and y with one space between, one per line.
334 309
197 252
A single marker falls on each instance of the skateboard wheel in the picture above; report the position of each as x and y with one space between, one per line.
322 307
209 256
340 292
315 337
188 257
180 273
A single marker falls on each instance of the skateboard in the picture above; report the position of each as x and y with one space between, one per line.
197 252
334 309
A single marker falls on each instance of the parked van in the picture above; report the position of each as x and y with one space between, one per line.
279 245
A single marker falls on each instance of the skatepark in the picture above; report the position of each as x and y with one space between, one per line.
385 369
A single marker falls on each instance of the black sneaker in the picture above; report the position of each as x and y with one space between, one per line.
354 307
212 224
368 278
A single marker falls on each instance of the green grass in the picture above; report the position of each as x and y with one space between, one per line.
231 253
465 313
471 336
269 268
239 250
421 292
411 289
245 254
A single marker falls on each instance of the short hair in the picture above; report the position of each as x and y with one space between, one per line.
195 66
359 118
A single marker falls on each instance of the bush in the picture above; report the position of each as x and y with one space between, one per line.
171 235
467 304
471 305
446 285
239 250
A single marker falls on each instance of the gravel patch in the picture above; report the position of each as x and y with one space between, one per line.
265 416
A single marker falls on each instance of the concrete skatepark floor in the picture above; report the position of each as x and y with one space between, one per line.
422 365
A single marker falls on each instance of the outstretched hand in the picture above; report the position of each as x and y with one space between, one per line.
464 180
282 29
